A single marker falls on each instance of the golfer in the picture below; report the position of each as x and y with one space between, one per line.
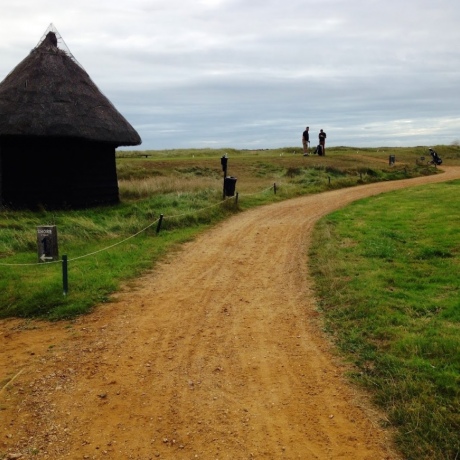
305 140
322 141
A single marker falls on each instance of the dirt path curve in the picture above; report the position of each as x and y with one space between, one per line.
216 354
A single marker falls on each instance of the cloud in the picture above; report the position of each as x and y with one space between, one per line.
243 74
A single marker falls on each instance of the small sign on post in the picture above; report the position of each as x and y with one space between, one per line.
224 162
47 243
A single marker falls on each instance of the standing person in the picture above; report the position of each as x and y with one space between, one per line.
305 140
322 141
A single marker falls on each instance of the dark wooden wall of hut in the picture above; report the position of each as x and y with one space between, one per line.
56 173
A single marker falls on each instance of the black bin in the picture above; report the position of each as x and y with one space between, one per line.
229 185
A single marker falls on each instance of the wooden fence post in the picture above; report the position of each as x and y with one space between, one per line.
160 220
65 277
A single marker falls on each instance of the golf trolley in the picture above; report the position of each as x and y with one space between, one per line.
435 158
318 150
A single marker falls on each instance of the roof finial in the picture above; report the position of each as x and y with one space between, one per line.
51 38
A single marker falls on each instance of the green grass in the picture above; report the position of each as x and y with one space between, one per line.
184 183
29 289
385 268
386 271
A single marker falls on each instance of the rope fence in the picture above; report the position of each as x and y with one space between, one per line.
157 221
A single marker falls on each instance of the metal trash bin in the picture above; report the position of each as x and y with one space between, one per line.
229 185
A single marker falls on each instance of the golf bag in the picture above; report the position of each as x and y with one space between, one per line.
319 150
436 160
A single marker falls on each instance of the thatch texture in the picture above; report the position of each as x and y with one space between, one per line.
48 94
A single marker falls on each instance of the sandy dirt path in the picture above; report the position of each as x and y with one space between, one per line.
216 354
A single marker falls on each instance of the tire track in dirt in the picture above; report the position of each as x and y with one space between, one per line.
216 354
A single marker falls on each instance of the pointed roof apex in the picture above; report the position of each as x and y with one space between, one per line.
52 41
51 33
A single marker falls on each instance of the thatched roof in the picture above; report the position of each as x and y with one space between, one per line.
49 94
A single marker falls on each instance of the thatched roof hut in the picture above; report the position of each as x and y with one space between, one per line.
53 116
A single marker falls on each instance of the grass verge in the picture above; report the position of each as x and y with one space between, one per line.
386 271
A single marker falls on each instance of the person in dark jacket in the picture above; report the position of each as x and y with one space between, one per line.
322 141
305 140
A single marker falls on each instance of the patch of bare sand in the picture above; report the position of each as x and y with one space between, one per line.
216 354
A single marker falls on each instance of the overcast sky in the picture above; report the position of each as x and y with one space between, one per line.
253 74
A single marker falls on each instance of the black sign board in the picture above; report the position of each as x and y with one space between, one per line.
47 243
